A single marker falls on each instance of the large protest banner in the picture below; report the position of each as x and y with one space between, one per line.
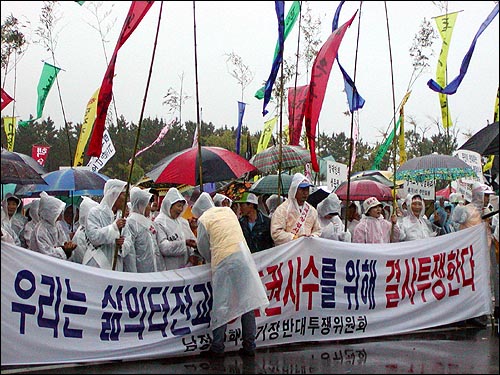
56 311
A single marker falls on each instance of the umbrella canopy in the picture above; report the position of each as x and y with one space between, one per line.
69 181
484 142
385 177
269 184
19 172
434 167
217 164
23 158
363 189
318 195
291 156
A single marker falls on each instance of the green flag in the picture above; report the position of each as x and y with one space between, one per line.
384 147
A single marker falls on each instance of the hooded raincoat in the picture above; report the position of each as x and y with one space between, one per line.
48 236
30 225
141 244
288 215
172 242
236 284
80 237
333 228
102 230
17 221
8 234
414 227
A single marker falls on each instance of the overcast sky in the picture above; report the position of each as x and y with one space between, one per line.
249 29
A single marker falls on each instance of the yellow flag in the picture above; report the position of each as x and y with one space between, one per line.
445 24
495 112
86 130
9 125
265 137
402 150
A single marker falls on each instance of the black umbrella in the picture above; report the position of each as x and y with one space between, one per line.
23 158
484 142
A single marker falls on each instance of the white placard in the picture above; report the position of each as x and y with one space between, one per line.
336 173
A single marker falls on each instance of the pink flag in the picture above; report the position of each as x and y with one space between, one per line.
163 131
296 106
136 13
6 99
317 87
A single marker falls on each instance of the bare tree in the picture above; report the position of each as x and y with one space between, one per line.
174 100
238 70
13 42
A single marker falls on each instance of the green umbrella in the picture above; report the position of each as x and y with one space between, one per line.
269 184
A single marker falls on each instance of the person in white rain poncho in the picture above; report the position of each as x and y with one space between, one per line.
295 217
178 242
80 237
330 221
141 244
30 225
237 288
103 228
415 225
48 236
13 206
8 234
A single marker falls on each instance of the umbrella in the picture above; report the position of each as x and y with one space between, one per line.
434 167
384 177
19 172
363 189
69 181
484 142
291 156
269 184
318 195
23 158
218 164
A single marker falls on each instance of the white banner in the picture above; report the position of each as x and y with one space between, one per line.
56 311
108 150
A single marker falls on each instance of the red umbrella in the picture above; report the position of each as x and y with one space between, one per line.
363 189
218 164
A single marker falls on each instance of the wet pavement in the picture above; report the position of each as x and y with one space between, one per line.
444 350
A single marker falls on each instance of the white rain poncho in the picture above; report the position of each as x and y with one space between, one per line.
48 236
102 230
273 202
17 221
8 235
219 200
236 284
141 244
80 237
175 233
414 227
287 215
30 225
333 228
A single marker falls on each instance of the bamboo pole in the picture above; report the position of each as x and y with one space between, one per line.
198 125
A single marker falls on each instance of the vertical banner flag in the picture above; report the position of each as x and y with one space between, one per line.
86 129
47 78
249 151
495 110
40 153
317 87
353 98
402 150
6 99
445 24
296 107
136 13
280 13
108 150
241 112
162 134
265 137
9 125
452 87
290 19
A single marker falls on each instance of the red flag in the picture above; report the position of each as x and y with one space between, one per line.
136 13
6 99
296 106
40 153
317 87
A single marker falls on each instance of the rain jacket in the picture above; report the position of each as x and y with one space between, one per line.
287 214
375 230
30 225
18 220
414 227
141 244
8 235
80 237
333 228
236 284
102 230
273 202
48 236
176 231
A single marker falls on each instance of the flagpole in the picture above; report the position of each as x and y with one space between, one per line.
132 160
198 126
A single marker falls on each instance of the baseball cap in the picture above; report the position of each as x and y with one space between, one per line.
305 184
370 203
248 198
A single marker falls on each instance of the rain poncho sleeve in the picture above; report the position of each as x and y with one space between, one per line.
236 284
287 214
375 230
48 237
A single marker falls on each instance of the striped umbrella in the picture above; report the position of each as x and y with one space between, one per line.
267 161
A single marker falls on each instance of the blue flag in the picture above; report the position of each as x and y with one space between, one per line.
452 87
241 112
355 100
280 13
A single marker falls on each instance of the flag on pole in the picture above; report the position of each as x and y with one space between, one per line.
6 99
317 86
266 134
86 129
9 126
241 112
296 106
162 134
40 153
402 149
108 150
452 87
136 13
